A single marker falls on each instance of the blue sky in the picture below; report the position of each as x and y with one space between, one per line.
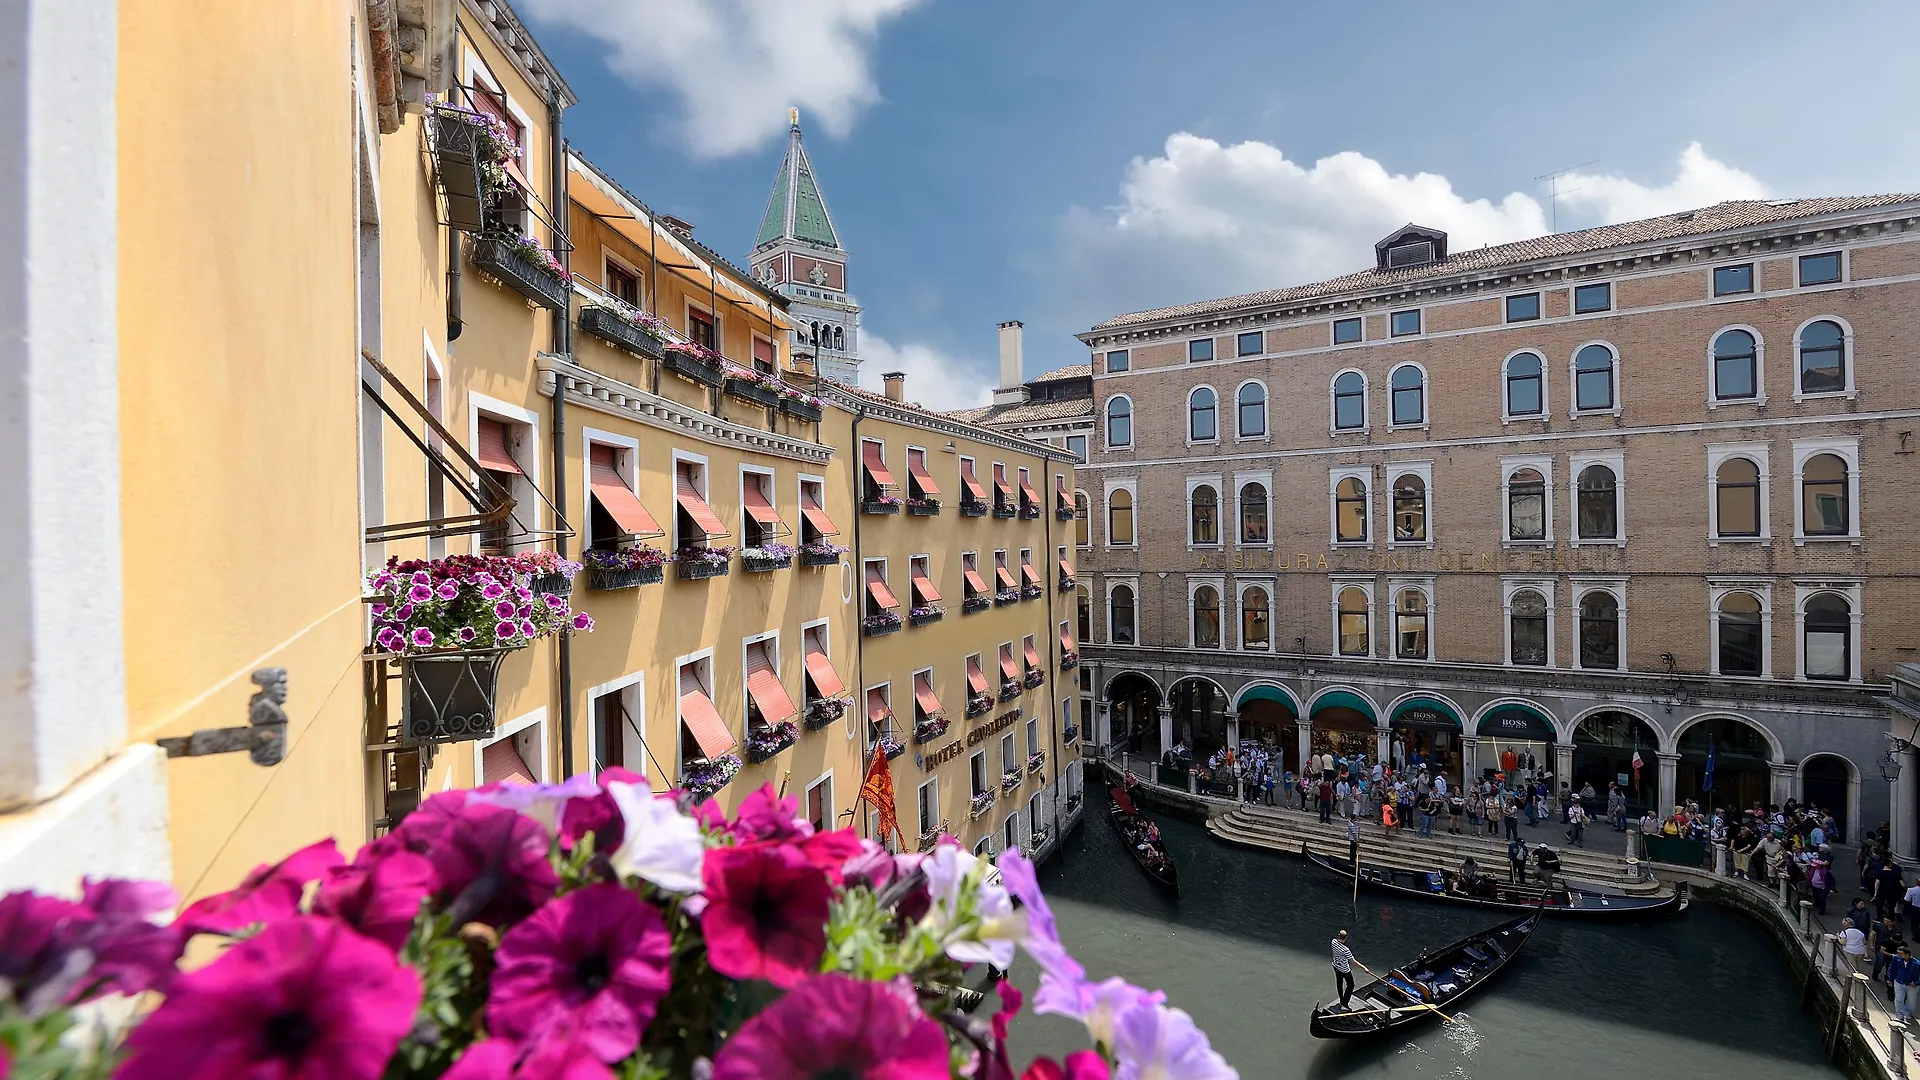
1061 162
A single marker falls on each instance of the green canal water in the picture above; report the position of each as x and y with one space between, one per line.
1244 949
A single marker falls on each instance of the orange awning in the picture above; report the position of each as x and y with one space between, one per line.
1009 667
816 516
923 585
758 507
1066 638
976 677
501 763
877 588
698 713
1000 480
696 507
917 468
876 467
972 482
820 669
616 498
877 710
1065 568
924 696
1005 577
1027 571
1033 655
975 582
1027 492
491 448
763 686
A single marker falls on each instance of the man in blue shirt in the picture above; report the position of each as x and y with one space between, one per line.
1904 970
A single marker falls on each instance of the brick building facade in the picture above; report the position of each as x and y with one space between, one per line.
1637 489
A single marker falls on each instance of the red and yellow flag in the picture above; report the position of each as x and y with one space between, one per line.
878 790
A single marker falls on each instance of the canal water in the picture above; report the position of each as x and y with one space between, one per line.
1244 949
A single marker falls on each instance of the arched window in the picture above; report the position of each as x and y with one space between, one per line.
1736 366
1120 518
1206 617
1823 496
1201 426
1823 358
1120 615
1409 508
1409 396
1081 535
1739 633
1355 638
1255 630
1829 637
1119 422
1600 631
839 337
1526 505
1349 401
1736 494
1252 416
1524 394
1599 512
1527 627
1253 514
1593 378
1410 625
1350 511
1204 512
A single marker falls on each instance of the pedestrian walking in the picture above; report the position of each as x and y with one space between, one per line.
1342 969
1912 900
1853 944
1517 861
1617 807
1577 825
1905 973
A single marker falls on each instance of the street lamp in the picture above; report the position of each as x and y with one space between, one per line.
1889 767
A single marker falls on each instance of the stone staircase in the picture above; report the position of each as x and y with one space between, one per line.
1603 863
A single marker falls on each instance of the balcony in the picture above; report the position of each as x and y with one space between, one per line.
875 625
979 805
694 363
462 144
931 838
974 603
612 326
923 507
972 508
1036 761
1010 781
1069 733
921 616
522 265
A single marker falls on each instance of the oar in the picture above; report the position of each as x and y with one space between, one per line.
1423 1005
1370 1012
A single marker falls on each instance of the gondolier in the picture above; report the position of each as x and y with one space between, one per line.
1342 968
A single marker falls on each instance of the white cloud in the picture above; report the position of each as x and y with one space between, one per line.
934 379
1205 220
737 65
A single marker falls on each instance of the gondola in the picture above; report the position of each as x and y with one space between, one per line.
1128 822
1414 992
1496 895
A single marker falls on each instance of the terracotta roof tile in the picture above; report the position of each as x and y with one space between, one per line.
1026 412
1071 371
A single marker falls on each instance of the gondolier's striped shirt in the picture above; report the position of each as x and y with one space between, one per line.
1342 956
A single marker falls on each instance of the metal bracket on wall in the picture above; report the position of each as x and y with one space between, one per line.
264 736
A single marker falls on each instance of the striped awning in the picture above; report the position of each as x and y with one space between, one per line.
917 468
763 686
876 465
490 448
976 676
826 681
701 718
696 506
615 497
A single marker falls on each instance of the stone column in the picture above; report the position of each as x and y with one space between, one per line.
1103 736
1781 788
1166 727
1562 770
1900 816
1306 745
1469 758
1233 729
1380 737
1669 783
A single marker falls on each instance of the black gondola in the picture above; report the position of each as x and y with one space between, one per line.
1488 892
1439 980
1142 840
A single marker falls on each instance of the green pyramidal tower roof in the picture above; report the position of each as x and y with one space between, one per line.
796 209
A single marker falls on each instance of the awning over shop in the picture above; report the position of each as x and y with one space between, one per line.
1425 714
1268 693
1520 723
1343 699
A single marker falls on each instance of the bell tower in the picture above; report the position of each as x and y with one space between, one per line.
797 253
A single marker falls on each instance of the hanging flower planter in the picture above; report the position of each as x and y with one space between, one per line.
1035 678
623 328
929 728
923 507
694 363
891 747
1029 511
696 563
884 623
921 616
880 504
1036 761
822 712
1003 597
1010 689
767 740
979 705
1069 733
767 557
1068 660
702 777
624 568
821 553
521 264
449 697
1063 513
1004 510
972 508
752 387
1031 592
1010 780
980 804
459 147
972 604
801 406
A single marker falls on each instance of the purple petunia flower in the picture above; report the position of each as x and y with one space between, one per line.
422 638
380 610
378 895
504 631
503 610
467 634
544 803
594 962
527 629
307 997
448 590
403 612
523 611
490 863
389 639
582 621
421 577
268 894
522 593
381 580
1042 941
555 603
1152 1042
833 1025
420 594
493 591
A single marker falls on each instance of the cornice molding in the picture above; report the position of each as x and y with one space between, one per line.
933 422
615 398
504 28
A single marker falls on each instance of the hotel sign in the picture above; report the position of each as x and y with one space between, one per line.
1587 560
975 737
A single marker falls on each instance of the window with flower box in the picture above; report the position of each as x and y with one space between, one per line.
764 531
825 693
926 599
923 494
1036 669
1006 590
977 596
1069 654
1005 503
973 494
705 753
929 719
1029 498
880 614
769 711
816 528
876 483
696 526
1030 586
1010 686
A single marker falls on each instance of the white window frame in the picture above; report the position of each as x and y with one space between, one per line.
1424 470
634 679
1033 736
771 489
1195 389
922 801
1131 487
535 717
1106 362
1850 390
1240 587
1577 462
988 781
1080 495
1106 422
1546 389
1194 483
771 639
1219 585
1615 586
1717 590
1805 589
609 258
1847 449
869 737
1266 413
1419 315
1337 584
1574 411
806 797
712 683
1331 332
1133 585
1719 454
1544 586
1364 473
1714 401
524 431
1395 586
881 562
1263 477
704 484
1540 463
1426 402
626 463
1846 269
479 72
1366 405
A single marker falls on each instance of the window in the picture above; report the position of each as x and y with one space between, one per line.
929 806
876 480
1256 630
1077 446
1346 330
1204 515
1409 509
1409 396
614 512
700 328
1081 536
1253 514
977 771
1349 401
1120 615
1526 505
1526 395
694 522
1117 360
1600 631
1120 518
1404 323
623 285
1598 508
1733 280
1736 498
1823 497
1250 420
1738 634
1350 511
1201 425
1736 366
1823 269
1199 349
1351 617
761 524
1251 343
1010 763
880 598
1410 624
1588 299
1593 378
1523 308
1527 627
1823 358
1206 617
498 446
1119 423
703 734
1827 649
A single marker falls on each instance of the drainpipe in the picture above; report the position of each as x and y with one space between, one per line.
1053 627
454 322
562 344
859 589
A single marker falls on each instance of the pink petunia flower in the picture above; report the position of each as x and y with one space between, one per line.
766 913
448 590
466 634
54 952
1153 1042
582 621
830 851
269 893
833 1025
597 814
764 815
493 591
421 577
593 962
490 863
498 1059
503 610
130 953
403 612
306 998
527 629
504 630
420 594
379 894
389 639
422 638
1080 1065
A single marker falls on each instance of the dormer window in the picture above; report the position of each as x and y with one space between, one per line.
1411 246
1415 253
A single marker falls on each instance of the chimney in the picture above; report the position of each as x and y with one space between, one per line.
684 228
1012 366
896 384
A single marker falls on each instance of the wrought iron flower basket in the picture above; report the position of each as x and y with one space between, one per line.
519 273
449 696
553 585
609 580
748 390
972 508
456 162
692 368
615 330
801 410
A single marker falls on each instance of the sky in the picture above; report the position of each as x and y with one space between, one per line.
1063 161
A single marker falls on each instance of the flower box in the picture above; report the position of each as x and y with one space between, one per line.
884 623
467 603
1036 761
1029 512
801 410
610 580
1004 510
1066 583
510 265
977 808
929 728
699 568
972 508
607 325
885 504
460 146
979 705
1069 660
1034 678
1035 842
1010 780
1069 733
1006 596
1031 592
1063 513
931 838
553 584
923 507
767 740
891 747
750 390
449 696
766 559
822 712
1010 690
702 777
974 603
693 367
921 616
820 556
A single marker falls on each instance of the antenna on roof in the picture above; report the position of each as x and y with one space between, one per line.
1554 191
